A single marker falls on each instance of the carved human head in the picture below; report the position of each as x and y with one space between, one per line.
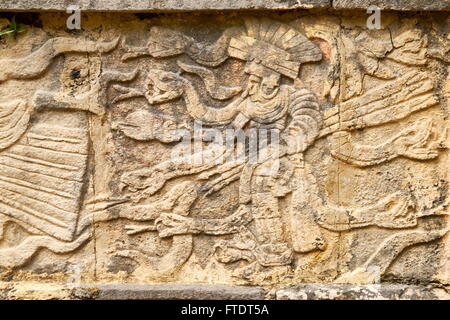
263 83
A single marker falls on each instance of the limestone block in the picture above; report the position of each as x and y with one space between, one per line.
184 155
192 5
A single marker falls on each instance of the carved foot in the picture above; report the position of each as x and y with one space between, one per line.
247 271
256 273
132 51
227 252
360 276
170 262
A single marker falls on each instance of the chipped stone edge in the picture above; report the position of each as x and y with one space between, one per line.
134 291
160 6
215 5
362 292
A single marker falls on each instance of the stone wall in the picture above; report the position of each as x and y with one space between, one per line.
235 153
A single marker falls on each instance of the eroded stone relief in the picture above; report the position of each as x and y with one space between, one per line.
122 146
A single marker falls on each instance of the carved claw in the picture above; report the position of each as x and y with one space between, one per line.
136 229
441 141
181 198
132 55
127 93
413 137
226 252
109 76
124 45
108 46
169 224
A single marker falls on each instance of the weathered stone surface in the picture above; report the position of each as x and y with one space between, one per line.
133 291
188 5
177 291
393 4
231 149
156 5
367 292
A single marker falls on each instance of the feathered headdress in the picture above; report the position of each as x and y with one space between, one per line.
275 45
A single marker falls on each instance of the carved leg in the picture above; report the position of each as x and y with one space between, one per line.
393 211
126 93
273 249
415 142
394 245
241 247
178 200
306 233
255 273
382 258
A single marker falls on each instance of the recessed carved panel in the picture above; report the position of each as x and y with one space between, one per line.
229 149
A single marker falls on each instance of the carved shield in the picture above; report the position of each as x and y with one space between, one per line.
42 179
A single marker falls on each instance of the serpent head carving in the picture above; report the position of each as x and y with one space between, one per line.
164 85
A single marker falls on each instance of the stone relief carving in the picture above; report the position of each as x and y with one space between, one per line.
280 215
43 167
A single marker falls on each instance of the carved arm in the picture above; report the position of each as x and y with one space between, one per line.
172 224
306 121
410 143
206 114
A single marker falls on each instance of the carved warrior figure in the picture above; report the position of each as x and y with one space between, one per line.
272 51
42 190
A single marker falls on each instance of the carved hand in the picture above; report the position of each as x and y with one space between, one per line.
394 212
295 142
169 224
412 143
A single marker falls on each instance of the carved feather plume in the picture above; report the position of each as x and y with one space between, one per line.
279 46
14 118
390 102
